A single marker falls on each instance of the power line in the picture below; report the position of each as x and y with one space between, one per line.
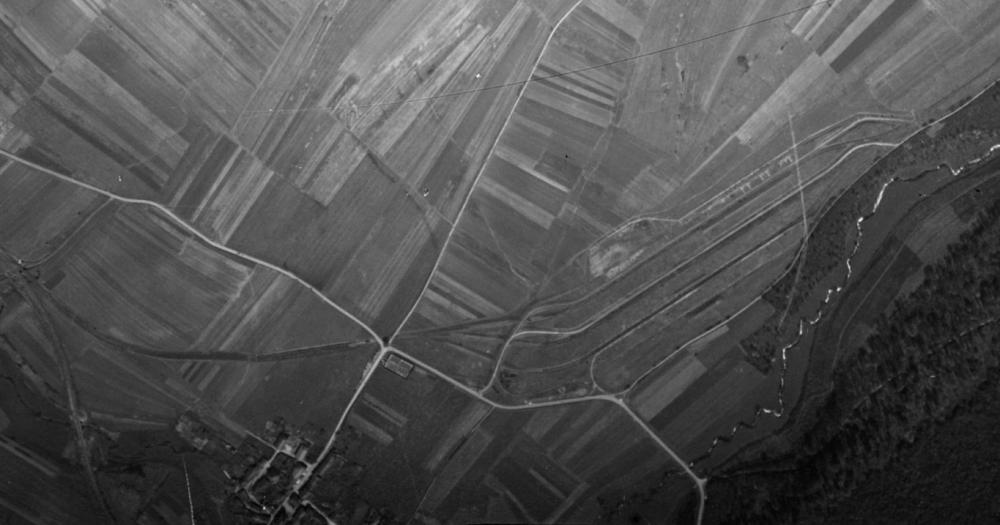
601 65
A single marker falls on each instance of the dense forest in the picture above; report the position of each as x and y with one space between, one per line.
932 354
950 474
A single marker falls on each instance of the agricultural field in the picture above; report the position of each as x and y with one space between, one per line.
451 261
